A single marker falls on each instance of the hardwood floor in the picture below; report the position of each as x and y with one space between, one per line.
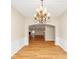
40 49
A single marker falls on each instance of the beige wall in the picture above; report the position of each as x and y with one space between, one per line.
17 25
63 25
62 30
28 21
55 22
49 33
39 32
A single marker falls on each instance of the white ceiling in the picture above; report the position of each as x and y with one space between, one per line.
27 7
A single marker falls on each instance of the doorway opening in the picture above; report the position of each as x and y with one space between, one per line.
41 32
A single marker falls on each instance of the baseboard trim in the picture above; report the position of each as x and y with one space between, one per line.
61 43
18 45
62 47
49 40
17 50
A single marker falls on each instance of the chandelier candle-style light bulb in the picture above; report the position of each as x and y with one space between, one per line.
41 14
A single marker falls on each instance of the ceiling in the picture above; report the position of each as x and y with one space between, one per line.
28 7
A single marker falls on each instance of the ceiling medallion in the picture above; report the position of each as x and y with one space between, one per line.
41 14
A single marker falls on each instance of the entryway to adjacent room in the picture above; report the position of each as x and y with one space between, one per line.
41 32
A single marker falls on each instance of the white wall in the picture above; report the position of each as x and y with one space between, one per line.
28 21
54 22
39 32
62 38
17 30
49 33
63 25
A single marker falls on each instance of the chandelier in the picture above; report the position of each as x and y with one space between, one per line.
41 14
